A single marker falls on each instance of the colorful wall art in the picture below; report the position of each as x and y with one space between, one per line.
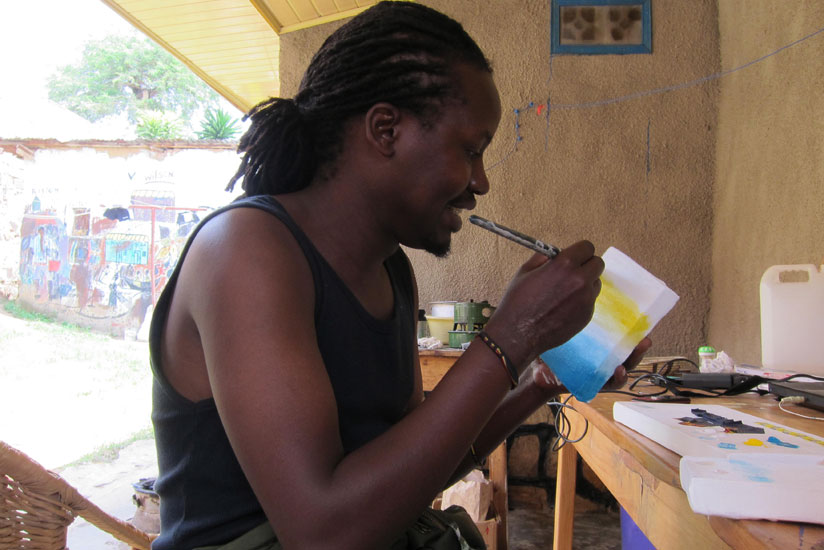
101 271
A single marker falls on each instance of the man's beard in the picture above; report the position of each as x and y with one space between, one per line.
439 250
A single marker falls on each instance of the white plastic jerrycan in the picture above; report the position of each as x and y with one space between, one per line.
792 319
631 303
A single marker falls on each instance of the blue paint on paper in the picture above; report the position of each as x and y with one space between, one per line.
760 479
775 441
583 364
727 445
753 472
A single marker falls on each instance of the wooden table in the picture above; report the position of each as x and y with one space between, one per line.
644 478
434 364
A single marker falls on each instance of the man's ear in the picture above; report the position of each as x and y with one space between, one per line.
382 127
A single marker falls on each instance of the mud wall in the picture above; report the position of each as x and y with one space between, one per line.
624 156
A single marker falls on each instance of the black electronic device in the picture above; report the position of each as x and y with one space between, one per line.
708 380
812 392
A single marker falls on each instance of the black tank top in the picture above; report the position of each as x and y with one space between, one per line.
204 495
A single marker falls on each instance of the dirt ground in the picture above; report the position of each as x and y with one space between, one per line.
68 392
79 403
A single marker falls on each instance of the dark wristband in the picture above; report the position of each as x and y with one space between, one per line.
499 353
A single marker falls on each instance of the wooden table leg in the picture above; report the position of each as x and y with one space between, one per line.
497 475
565 497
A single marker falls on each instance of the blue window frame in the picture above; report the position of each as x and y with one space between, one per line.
599 27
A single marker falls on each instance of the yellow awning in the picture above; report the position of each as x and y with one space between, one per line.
231 44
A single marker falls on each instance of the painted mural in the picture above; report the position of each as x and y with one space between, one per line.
104 269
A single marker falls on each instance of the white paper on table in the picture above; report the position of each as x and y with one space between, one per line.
774 487
777 475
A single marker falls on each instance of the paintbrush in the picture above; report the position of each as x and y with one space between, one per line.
516 236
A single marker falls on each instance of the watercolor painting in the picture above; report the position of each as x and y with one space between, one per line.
630 304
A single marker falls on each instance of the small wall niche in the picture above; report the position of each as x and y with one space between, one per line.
598 27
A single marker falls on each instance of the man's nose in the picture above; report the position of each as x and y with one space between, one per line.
479 184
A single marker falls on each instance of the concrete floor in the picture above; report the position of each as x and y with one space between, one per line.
109 486
531 529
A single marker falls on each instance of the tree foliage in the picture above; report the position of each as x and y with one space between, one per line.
128 74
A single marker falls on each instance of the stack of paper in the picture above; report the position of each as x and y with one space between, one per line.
780 487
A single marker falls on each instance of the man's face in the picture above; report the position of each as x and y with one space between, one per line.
443 163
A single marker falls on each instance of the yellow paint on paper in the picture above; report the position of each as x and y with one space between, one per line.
781 429
619 314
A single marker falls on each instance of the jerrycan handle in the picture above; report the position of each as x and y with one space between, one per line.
772 275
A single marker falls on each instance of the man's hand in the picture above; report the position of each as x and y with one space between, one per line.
619 377
547 303
544 378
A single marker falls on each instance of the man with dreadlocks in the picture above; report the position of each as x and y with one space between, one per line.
288 407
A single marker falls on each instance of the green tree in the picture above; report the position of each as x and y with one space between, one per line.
218 124
128 74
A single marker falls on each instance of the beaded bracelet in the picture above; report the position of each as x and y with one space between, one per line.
510 370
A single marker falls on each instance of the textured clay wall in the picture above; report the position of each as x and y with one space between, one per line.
769 197
635 173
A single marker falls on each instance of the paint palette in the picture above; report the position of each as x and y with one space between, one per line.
734 464
630 304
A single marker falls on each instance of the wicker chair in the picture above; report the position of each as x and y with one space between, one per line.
37 506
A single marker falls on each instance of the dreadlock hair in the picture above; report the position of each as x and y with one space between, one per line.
395 52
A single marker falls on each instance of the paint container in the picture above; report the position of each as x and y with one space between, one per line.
706 354
442 309
631 303
439 327
147 515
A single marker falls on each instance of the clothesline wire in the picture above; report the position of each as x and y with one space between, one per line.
656 91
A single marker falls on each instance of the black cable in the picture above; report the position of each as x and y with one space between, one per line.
562 425
665 370
651 376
